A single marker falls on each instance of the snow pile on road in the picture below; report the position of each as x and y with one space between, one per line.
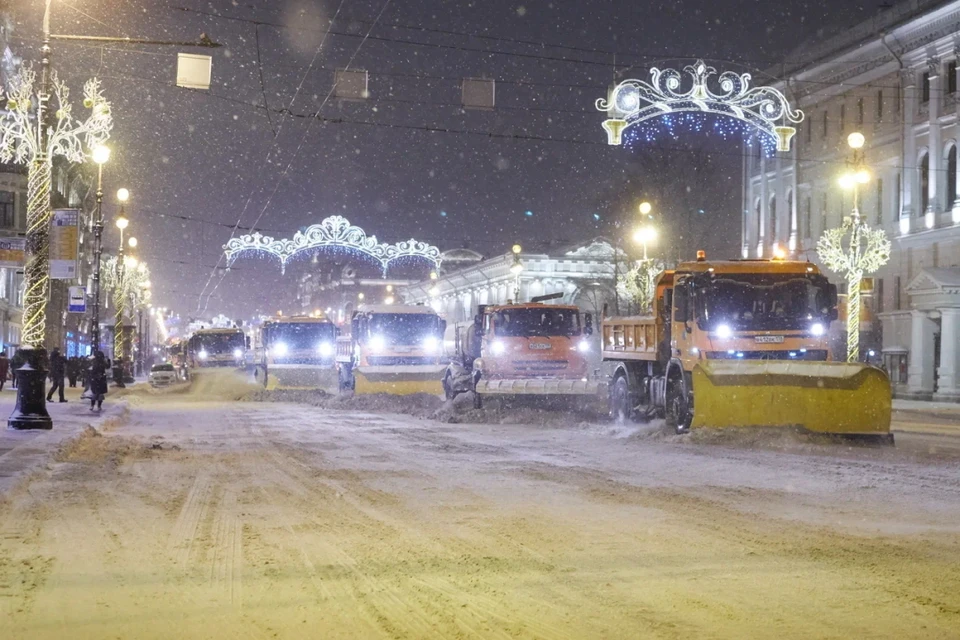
458 411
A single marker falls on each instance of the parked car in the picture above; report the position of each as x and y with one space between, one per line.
162 375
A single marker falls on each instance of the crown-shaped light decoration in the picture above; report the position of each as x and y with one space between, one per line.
635 101
334 232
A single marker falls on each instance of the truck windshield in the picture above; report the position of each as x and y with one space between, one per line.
404 328
759 302
218 343
537 322
299 335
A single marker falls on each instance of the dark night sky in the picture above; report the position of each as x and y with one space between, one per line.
212 155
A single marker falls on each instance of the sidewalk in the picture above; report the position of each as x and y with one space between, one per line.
23 452
940 418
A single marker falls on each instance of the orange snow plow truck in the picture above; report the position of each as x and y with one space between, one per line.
525 349
741 344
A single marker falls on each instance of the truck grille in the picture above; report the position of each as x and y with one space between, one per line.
314 360
377 361
540 365
818 355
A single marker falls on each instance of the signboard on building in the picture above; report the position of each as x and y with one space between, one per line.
13 252
78 300
64 244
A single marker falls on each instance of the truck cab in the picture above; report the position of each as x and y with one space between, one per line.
523 349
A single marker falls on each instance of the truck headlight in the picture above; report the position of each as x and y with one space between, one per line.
203 354
280 349
378 343
723 331
816 329
583 346
325 349
237 353
498 348
431 344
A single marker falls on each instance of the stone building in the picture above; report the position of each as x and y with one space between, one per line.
583 273
893 78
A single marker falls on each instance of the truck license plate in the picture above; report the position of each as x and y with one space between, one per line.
768 339
539 345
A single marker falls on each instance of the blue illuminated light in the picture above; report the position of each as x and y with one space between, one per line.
443 214
673 124
529 214
596 216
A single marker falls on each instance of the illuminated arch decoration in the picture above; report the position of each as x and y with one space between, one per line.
668 96
334 232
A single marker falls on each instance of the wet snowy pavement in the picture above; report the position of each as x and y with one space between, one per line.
223 519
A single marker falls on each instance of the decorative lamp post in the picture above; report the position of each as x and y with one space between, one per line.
119 298
516 269
100 155
866 249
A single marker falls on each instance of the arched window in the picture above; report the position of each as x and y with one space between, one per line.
924 184
951 175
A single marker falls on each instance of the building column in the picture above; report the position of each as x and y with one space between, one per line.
776 234
746 234
935 153
794 230
763 233
948 375
908 183
920 371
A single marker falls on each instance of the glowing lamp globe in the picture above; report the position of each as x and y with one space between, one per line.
517 249
123 195
101 154
856 140
645 208
122 223
863 176
132 242
847 180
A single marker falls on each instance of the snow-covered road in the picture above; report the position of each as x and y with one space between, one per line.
196 519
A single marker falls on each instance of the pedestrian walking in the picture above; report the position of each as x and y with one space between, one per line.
98 380
73 371
4 368
58 366
16 362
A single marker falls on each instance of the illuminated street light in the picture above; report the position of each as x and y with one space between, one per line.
132 243
645 235
123 194
101 154
645 208
856 140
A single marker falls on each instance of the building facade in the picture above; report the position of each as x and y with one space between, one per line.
894 79
583 274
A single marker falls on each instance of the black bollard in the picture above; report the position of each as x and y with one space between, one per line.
31 409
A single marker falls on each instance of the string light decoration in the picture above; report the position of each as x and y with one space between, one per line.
764 109
21 143
128 285
854 249
639 284
334 232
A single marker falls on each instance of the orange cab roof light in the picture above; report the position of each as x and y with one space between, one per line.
701 255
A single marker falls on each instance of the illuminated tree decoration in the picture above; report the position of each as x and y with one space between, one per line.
633 102
866 251
20 144
332 233
639 284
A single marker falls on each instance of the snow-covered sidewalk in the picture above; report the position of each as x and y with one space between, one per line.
24 452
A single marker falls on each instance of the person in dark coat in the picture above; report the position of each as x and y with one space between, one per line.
16 362
73 371
58 369
98 380
4 368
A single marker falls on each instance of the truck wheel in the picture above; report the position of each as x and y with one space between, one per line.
679 412
620 401
448 389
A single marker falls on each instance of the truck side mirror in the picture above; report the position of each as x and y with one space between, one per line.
588 324
248 342
681 298
478 324
443 328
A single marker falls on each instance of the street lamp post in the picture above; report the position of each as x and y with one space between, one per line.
867 249
100 155
516 269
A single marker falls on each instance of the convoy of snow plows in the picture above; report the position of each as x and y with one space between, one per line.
739 343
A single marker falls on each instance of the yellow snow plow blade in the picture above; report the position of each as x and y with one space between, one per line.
400 380
827 397
293 377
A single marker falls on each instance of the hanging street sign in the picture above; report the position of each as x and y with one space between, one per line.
78 300
13 252
64 244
